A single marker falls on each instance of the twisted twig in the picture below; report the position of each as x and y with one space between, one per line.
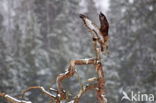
13 99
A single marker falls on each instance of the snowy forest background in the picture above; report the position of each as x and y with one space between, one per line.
39 37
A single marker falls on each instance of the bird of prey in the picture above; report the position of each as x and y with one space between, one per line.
101 32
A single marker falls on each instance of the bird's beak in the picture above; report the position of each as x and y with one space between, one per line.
82 16
101 14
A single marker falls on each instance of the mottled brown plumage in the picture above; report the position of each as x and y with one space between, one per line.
104 25
101 32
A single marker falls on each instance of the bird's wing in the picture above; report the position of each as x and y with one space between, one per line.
104 25
89 24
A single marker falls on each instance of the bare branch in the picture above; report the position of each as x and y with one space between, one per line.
101 84
100 44
55 98
70 72
12 99
84 90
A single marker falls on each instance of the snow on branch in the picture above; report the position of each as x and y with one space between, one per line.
100 43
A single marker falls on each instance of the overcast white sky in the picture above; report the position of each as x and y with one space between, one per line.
103 5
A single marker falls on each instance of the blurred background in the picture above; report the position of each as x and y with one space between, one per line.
38 38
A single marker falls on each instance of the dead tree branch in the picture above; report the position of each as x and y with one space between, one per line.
51 96
84 90
13 99
100 44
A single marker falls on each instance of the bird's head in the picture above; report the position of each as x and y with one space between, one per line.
82 16
102 16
